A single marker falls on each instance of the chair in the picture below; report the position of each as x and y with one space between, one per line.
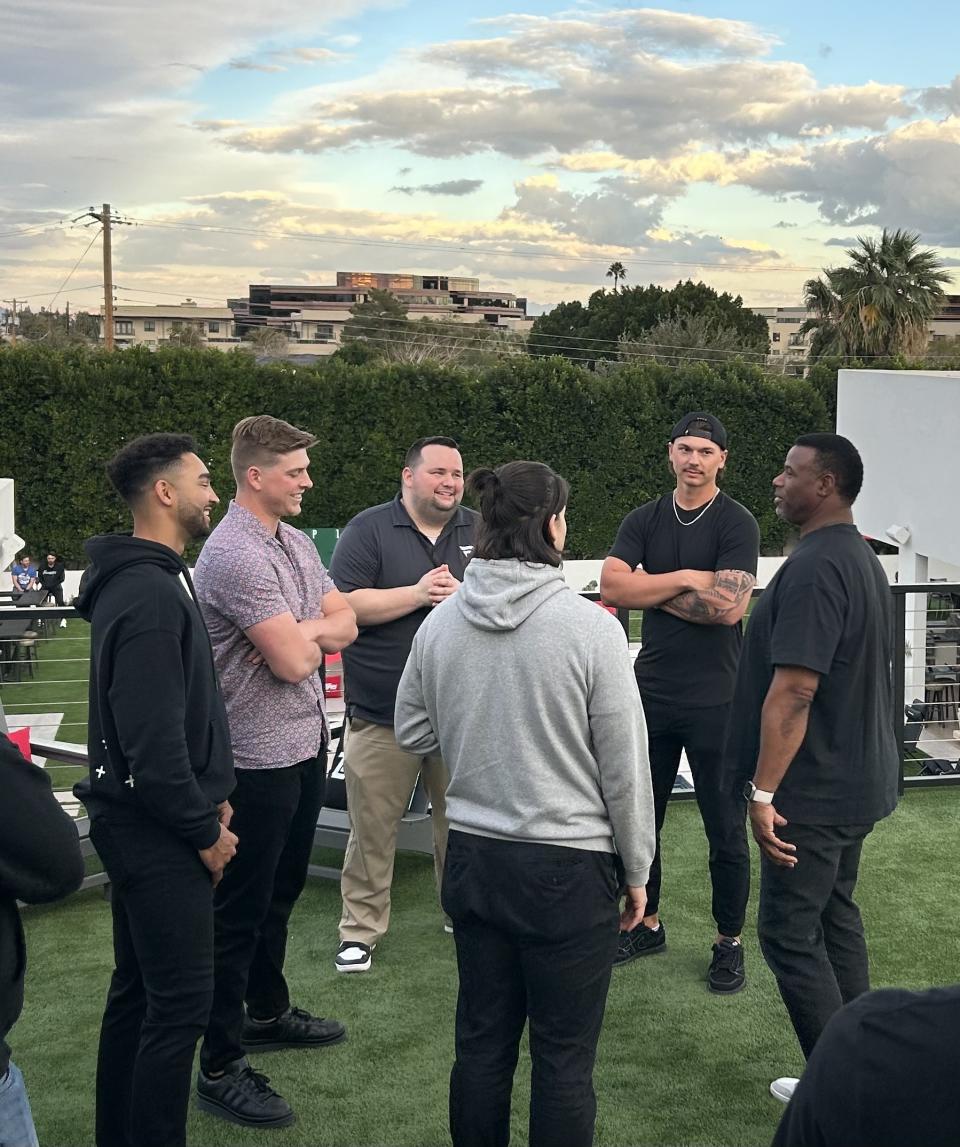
27 652
943 692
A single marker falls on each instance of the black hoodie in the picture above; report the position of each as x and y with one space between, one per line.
158 739
39 861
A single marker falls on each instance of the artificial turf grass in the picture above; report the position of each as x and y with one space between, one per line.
675 1064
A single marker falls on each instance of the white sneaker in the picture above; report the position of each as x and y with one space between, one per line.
63 623
352 956
783 1088
448 928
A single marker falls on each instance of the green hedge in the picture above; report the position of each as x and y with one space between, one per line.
66 412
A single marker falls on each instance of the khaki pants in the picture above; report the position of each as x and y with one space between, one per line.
380 779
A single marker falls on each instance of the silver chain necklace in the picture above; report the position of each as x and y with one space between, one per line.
693 521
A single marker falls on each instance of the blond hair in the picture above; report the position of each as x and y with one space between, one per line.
261 440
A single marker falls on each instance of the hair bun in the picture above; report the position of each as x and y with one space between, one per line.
482 479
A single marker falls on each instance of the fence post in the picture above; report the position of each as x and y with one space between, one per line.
899 669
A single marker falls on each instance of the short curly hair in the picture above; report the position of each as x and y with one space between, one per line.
134 469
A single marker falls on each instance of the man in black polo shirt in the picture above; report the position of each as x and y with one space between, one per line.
689 561
811 737
394 563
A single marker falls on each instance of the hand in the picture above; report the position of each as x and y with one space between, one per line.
225 809
700 580
219 854
435 585
764 818
635 904
254 657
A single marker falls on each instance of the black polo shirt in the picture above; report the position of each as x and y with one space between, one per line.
381 548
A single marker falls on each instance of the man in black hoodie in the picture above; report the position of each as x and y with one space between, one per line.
39 861
161 770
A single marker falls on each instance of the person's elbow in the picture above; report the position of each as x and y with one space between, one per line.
346 634
612 587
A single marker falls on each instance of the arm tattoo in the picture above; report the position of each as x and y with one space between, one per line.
708 607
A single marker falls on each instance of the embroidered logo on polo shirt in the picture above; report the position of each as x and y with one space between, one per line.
466 550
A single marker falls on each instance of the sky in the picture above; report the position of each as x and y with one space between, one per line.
740 143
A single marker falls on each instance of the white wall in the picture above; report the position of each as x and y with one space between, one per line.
905 423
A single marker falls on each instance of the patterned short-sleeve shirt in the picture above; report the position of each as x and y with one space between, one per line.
246 575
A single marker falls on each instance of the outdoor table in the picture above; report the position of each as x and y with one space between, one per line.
10 633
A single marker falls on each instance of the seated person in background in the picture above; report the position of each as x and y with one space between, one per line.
50 577
880 1075
24 574
39 861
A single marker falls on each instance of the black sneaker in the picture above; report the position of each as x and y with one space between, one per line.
726 974
640 941
352 956
295 1028
242 1095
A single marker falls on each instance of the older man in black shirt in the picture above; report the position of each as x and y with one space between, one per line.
689 561
811 736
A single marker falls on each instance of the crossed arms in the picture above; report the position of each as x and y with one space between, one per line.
703 597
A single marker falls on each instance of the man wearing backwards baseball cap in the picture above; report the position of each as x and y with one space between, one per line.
689 560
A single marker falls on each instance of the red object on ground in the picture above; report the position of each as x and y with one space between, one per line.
21 738
333 675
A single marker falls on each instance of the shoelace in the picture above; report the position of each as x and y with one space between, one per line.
727 956
260 1081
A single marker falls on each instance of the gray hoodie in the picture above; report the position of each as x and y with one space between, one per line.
527 690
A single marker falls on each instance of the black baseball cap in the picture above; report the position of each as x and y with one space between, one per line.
699 424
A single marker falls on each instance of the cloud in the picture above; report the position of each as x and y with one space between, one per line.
945 98
447 187
253 66
643 84
784 224
844 241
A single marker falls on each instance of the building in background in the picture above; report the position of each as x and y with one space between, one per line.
313 316
165 324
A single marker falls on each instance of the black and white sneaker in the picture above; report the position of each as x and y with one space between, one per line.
640 941
352 956
244 1096
726 973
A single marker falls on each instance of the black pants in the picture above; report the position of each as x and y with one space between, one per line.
159 998
536 930
274 817
810 930
54 591
701 732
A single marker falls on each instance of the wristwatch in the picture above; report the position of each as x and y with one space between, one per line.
758 796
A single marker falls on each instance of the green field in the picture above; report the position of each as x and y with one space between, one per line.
676 1065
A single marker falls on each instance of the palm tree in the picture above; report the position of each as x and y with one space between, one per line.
616 271
881 303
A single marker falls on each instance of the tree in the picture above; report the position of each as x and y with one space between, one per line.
592 333
683 337
268 342
380 319
616 271
878 305
188 336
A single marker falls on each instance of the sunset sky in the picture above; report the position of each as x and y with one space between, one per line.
737 142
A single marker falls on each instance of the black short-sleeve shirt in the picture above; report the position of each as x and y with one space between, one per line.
381 548
829 609
681 662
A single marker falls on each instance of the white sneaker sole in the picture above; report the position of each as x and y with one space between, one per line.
364 966
782 1089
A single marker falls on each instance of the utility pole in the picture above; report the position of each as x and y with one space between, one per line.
106 219
107 277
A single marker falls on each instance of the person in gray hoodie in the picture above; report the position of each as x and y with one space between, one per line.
527 690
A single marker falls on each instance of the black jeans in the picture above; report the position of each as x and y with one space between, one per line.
810 930
536 930
274 817
162 985
670 729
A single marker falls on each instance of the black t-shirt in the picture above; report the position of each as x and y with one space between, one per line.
829 609
681 662
381 548
881 1075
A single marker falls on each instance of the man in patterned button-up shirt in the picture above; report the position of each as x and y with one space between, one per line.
272 612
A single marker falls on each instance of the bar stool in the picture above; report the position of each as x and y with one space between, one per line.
27 652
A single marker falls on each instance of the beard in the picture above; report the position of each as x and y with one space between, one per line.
194 522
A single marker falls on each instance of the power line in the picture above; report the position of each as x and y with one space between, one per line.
311 237
75 266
